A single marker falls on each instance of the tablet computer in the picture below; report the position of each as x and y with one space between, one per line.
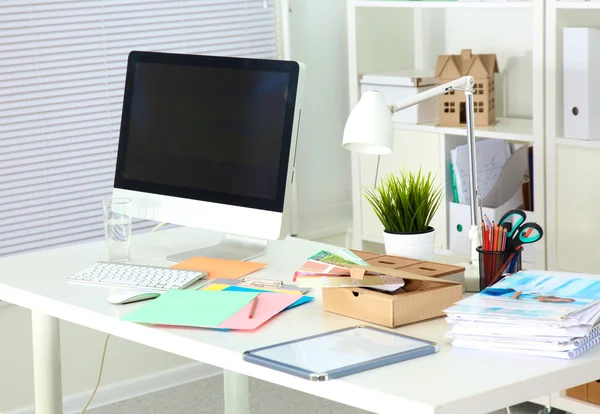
339 353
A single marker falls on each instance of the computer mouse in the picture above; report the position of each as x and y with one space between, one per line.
121 297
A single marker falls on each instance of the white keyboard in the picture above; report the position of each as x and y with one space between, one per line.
135 276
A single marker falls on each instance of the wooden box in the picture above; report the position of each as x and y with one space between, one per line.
425 298
431 269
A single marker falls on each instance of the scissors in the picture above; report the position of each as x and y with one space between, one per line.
520 232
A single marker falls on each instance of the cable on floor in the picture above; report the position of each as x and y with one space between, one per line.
85 407
158 226
507 410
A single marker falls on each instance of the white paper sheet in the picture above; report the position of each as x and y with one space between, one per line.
492 154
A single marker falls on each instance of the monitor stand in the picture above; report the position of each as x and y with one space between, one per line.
231 247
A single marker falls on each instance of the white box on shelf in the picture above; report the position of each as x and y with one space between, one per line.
581 83
402 84
460 222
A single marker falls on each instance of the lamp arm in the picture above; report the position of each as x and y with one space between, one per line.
464 83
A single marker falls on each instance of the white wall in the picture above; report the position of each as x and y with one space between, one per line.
81 350
318 38
467 29
318 30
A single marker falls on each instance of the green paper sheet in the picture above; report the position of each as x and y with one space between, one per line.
198 308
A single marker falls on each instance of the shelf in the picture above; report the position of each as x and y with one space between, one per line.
562 402
416 4
578 5
510 129
568 142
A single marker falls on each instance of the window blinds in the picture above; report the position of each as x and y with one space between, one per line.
62 72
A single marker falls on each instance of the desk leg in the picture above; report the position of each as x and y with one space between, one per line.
237 400
46 363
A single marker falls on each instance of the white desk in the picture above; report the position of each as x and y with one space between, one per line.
451 381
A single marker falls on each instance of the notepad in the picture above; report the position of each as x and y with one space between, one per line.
220 268
195 308
300 300
267 306
214 309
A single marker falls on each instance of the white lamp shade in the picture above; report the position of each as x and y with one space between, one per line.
369 128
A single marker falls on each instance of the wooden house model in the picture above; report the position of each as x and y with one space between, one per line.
452 104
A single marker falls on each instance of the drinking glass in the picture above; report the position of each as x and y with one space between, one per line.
117 227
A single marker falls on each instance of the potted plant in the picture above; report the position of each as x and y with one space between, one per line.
405 205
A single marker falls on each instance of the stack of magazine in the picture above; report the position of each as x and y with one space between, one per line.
332 269
552 314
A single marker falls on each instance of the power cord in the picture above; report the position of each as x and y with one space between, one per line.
158 226
507 410
85 407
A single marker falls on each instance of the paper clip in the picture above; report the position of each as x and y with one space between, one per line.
266 283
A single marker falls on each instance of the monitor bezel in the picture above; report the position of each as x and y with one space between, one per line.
277 203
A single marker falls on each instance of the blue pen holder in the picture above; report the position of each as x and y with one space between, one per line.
492 265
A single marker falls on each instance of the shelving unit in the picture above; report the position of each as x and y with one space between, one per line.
566 203
422 30
571 405
578 5
516 130
578 143
418 4
571 202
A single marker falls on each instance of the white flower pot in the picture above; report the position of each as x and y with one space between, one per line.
417 246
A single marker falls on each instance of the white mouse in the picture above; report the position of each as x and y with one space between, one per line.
122 297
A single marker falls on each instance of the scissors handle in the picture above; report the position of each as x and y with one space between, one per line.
522 237
519 216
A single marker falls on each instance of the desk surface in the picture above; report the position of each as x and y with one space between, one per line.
451 381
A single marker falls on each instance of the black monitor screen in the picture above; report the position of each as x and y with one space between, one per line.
207 128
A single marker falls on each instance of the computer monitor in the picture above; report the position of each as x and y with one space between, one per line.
210 142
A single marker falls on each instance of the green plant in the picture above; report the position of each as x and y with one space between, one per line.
405 203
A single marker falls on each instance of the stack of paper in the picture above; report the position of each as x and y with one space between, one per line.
544 313
327 269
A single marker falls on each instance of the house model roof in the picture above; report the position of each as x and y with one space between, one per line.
466 64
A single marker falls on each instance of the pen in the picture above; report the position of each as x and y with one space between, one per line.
253 308
503 267
487 220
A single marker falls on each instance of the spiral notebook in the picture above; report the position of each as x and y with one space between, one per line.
571 354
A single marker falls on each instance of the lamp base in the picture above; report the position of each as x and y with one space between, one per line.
471 276
471 268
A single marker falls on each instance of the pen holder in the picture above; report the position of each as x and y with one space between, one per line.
493 264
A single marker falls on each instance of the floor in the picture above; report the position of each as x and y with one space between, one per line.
206 397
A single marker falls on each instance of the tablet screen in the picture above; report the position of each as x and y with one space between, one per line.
341 349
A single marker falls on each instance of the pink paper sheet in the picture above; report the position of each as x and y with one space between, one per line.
268 305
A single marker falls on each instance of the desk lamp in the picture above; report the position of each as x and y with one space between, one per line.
369 130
